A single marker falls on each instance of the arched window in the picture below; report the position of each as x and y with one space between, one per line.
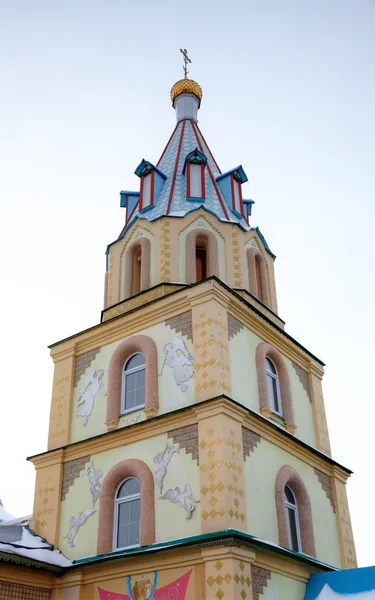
294 514
136 270
292 520
121 368
202 259
258 282
137 267
273 387
133 383
127 514
127 496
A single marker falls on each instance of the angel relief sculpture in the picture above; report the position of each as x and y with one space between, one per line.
180 361
91 388
162 459
75 523
93 475
181 497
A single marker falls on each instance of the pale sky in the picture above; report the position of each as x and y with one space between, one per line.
288 92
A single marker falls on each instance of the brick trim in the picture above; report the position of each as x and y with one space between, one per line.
182 323
187 438
127 468
256 262
144 245
82 363
210 240
263 350
260 578
234 326
288 476
137 343
325 482
250 440
71 472
304 379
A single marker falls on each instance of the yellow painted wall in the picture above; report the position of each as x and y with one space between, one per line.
283 588
242 349
171 397
261 469
170 519
201 222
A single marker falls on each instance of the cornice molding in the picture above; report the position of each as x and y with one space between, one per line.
188 416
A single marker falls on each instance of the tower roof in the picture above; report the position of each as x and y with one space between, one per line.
172 198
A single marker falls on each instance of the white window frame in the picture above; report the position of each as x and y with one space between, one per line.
125 374
294 507
274 376
122 501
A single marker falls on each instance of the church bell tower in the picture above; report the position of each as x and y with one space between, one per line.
188 447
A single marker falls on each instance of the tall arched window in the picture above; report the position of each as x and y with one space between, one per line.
133 383
258 279
202 259
137 267
292 520
127 514
127 496
273 387
294 514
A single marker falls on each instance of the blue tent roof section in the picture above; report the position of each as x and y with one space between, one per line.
350 581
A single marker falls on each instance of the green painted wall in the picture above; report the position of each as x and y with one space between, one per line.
170 519
280 587
261 469
242 348
171 397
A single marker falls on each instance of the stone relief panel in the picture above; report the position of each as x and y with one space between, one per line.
91 388
181 497
75 523
180 361
162 460
93 475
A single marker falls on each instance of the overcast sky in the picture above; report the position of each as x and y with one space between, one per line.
288 92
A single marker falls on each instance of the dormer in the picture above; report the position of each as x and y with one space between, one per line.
230 186
195 163
152 181
129 200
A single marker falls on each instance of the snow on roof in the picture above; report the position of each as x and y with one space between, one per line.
18 521
22 541
349 583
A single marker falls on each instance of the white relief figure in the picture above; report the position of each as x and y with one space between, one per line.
162 459
76 523
181 497
180 361
93 475
91 388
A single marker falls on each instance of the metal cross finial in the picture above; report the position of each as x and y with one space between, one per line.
186 61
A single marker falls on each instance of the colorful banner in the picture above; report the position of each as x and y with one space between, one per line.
144 590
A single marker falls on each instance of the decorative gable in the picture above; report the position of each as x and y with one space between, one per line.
195 163
230 186
152 181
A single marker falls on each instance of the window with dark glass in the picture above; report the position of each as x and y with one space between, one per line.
127 514
273 387
201 262
292 520
133 383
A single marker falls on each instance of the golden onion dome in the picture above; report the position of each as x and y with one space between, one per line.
186 86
